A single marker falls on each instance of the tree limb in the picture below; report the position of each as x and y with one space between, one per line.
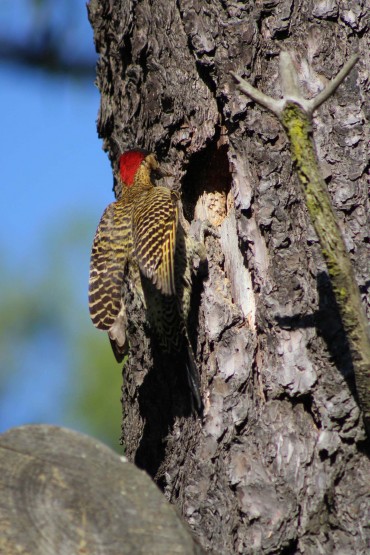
295 113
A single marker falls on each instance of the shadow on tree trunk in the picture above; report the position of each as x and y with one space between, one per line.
163 396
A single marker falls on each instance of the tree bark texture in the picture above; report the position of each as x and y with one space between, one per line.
278 462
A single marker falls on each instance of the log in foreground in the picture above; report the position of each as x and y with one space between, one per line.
67 493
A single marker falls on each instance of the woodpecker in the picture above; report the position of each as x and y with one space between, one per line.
139 238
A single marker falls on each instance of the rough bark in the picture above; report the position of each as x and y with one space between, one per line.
278 462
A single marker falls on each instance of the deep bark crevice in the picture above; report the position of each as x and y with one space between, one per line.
329 326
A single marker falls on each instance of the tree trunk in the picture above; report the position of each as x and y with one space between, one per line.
277 463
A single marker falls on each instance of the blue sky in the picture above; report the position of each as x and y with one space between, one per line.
52 170
53 164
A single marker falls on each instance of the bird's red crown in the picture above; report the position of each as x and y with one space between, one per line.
129 163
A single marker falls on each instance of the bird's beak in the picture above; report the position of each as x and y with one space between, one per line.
160 172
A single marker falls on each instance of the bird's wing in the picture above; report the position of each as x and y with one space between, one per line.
154 226
107 265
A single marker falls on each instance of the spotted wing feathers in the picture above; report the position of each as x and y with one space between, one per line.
155 220
107 266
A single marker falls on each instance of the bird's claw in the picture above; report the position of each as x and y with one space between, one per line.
200 228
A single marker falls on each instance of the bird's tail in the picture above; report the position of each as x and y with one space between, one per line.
192 375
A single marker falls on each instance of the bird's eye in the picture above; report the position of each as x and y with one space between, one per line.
156 173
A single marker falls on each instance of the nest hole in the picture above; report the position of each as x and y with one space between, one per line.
207 183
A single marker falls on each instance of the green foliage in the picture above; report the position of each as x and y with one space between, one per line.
96 403
44 306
